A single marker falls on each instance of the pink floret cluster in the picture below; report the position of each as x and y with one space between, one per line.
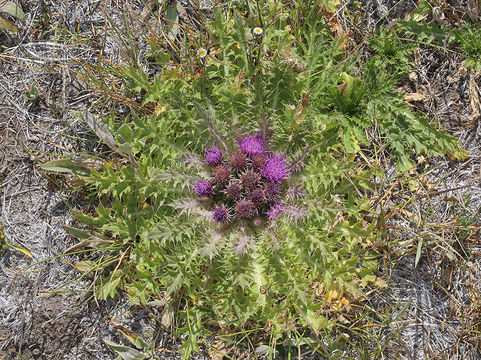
213 156
252 145
246 184
275 168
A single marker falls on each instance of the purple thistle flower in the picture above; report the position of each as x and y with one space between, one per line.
203 188
213 156
252 145
275 168
221 174
220 214
275 211
244 208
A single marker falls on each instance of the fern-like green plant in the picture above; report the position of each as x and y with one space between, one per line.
349 95
396 53
468 40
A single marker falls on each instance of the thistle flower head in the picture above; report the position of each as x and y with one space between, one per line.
257 197
275 211
221 174
275 168
203 188
258 161
220 214
257 31
238 160
251 145
247 187
233 190
213 156
250 180
201 52
244 208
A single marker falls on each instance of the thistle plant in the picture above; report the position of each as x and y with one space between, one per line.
245 187
260 230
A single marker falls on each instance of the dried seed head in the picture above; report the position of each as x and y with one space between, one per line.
244 208
250 180
221 174
238 160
